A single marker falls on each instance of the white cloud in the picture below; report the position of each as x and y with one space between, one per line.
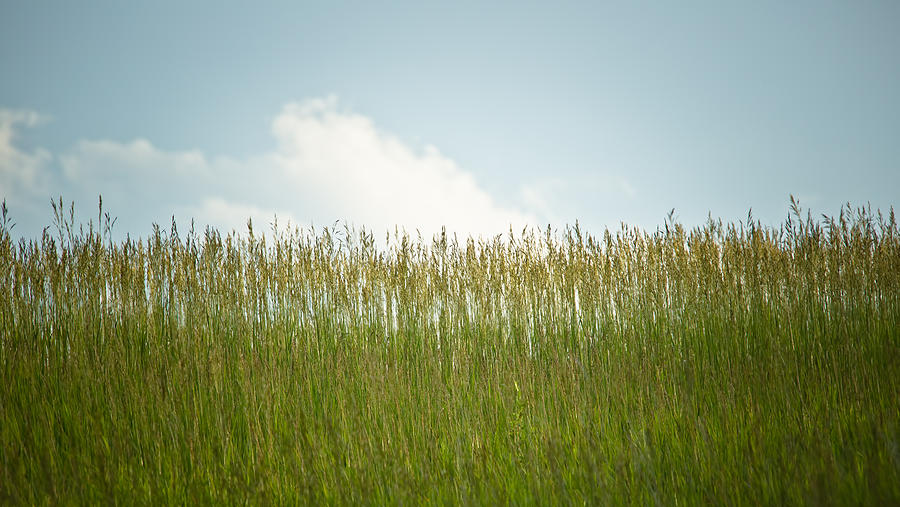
351 170
329 165
22 174
228 216
138 162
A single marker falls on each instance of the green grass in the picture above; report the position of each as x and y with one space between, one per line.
729 364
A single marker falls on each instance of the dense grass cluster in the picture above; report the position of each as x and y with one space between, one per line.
730 363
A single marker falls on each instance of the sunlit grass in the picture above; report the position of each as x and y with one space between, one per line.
732 363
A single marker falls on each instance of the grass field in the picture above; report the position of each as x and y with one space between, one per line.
728 364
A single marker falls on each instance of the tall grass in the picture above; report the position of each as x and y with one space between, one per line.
731 363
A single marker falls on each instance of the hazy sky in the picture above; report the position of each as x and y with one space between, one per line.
474 115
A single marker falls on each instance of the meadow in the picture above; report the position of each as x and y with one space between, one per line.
729 363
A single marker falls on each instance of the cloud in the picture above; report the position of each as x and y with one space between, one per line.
22 174
136 173
329 165
136 163
350 169
227 216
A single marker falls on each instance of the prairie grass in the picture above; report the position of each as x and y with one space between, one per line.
727 364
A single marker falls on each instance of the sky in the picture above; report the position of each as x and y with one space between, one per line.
477 116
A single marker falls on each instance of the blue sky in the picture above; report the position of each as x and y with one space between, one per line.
464 114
